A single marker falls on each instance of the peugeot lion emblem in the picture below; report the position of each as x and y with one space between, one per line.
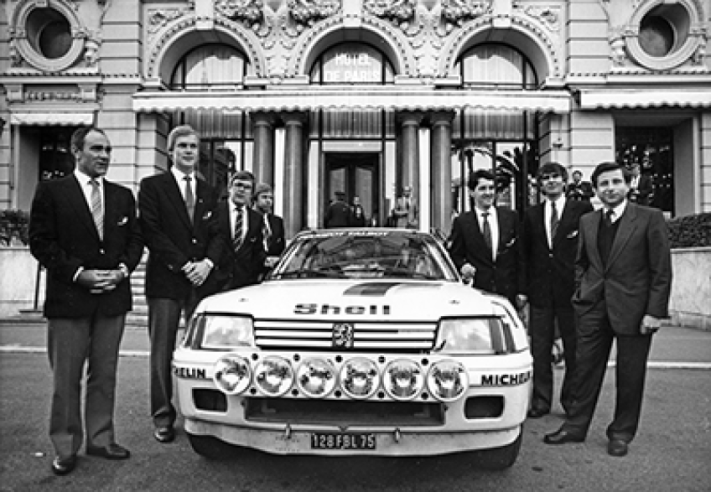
342 335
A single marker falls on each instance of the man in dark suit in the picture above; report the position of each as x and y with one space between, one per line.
623 281
175 215
641 186
549 242
84 231
272 225
484 241
241 237
578 189
338 213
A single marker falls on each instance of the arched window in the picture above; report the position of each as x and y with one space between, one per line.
496 66
210 67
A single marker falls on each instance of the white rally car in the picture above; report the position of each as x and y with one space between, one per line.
359 342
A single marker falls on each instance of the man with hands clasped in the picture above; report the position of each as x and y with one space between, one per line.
623 281
84 231
175 210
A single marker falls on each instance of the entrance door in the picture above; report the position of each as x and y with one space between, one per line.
355 174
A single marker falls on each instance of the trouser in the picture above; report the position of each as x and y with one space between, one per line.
70 343
595 337
163 323
542 323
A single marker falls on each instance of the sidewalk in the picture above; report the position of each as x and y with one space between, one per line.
674 347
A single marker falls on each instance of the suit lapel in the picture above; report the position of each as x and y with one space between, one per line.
170 187
566 220
624 232
476 232
75 196
592 228
201 195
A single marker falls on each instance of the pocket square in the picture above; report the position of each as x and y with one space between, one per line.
510 243
572 235
123 221
207 215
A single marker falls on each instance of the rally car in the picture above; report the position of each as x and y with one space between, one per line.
358 342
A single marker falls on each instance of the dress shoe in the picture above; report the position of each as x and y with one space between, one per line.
561 437
537 413
164 434
63 466
111 452
616 447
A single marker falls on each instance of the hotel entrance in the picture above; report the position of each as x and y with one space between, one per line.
356 174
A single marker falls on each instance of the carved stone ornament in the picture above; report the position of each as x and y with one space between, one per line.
158 18
249 11
308 12
398 11
459 11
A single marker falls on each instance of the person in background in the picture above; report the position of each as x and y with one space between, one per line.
406 213
484 241
549 242
272 225
175 210
84 231
641 187
579 190
357 213
623 281
240 228
338 213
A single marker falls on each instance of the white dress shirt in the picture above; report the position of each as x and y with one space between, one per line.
180 179
87 189
493 225
548 213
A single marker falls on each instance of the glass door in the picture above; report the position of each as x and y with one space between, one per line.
356 175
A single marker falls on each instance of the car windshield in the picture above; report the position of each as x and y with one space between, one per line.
365 254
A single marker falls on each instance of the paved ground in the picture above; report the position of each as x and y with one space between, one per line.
674 347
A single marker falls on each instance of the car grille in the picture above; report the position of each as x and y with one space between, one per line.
367 336
319 412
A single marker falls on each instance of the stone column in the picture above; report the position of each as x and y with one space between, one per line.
441 170
294 166
263 158
409 171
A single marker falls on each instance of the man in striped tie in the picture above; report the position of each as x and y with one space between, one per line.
84 231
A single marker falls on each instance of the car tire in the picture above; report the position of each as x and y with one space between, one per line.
499 458
211 448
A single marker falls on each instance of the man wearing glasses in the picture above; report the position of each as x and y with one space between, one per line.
240 228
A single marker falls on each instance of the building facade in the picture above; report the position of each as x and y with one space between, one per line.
363 96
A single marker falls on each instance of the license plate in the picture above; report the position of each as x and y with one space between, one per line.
344 441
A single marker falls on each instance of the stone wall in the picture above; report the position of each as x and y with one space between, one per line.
691 288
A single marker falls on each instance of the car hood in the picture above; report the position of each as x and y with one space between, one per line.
345 299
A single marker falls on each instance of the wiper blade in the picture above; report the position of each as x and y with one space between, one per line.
314 273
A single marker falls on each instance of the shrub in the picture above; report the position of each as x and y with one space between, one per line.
14 227
690 231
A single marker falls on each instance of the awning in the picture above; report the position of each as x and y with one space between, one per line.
605 99
399 98
61 118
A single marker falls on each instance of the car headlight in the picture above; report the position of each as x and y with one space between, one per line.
403 379
232 374
226 332
447 380
316 378
473 336
274 375
360 378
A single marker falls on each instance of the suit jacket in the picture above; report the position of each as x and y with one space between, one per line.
582 191
468 246
171 238
637 277
404 215
63 238
242 267
338 214
547 275
642 195
277 242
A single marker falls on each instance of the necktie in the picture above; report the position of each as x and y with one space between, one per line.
554 221
189 198
486 229
266 232
608 217
237 237
97 209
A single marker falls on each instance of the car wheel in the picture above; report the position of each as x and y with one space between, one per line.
499 458
211 448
